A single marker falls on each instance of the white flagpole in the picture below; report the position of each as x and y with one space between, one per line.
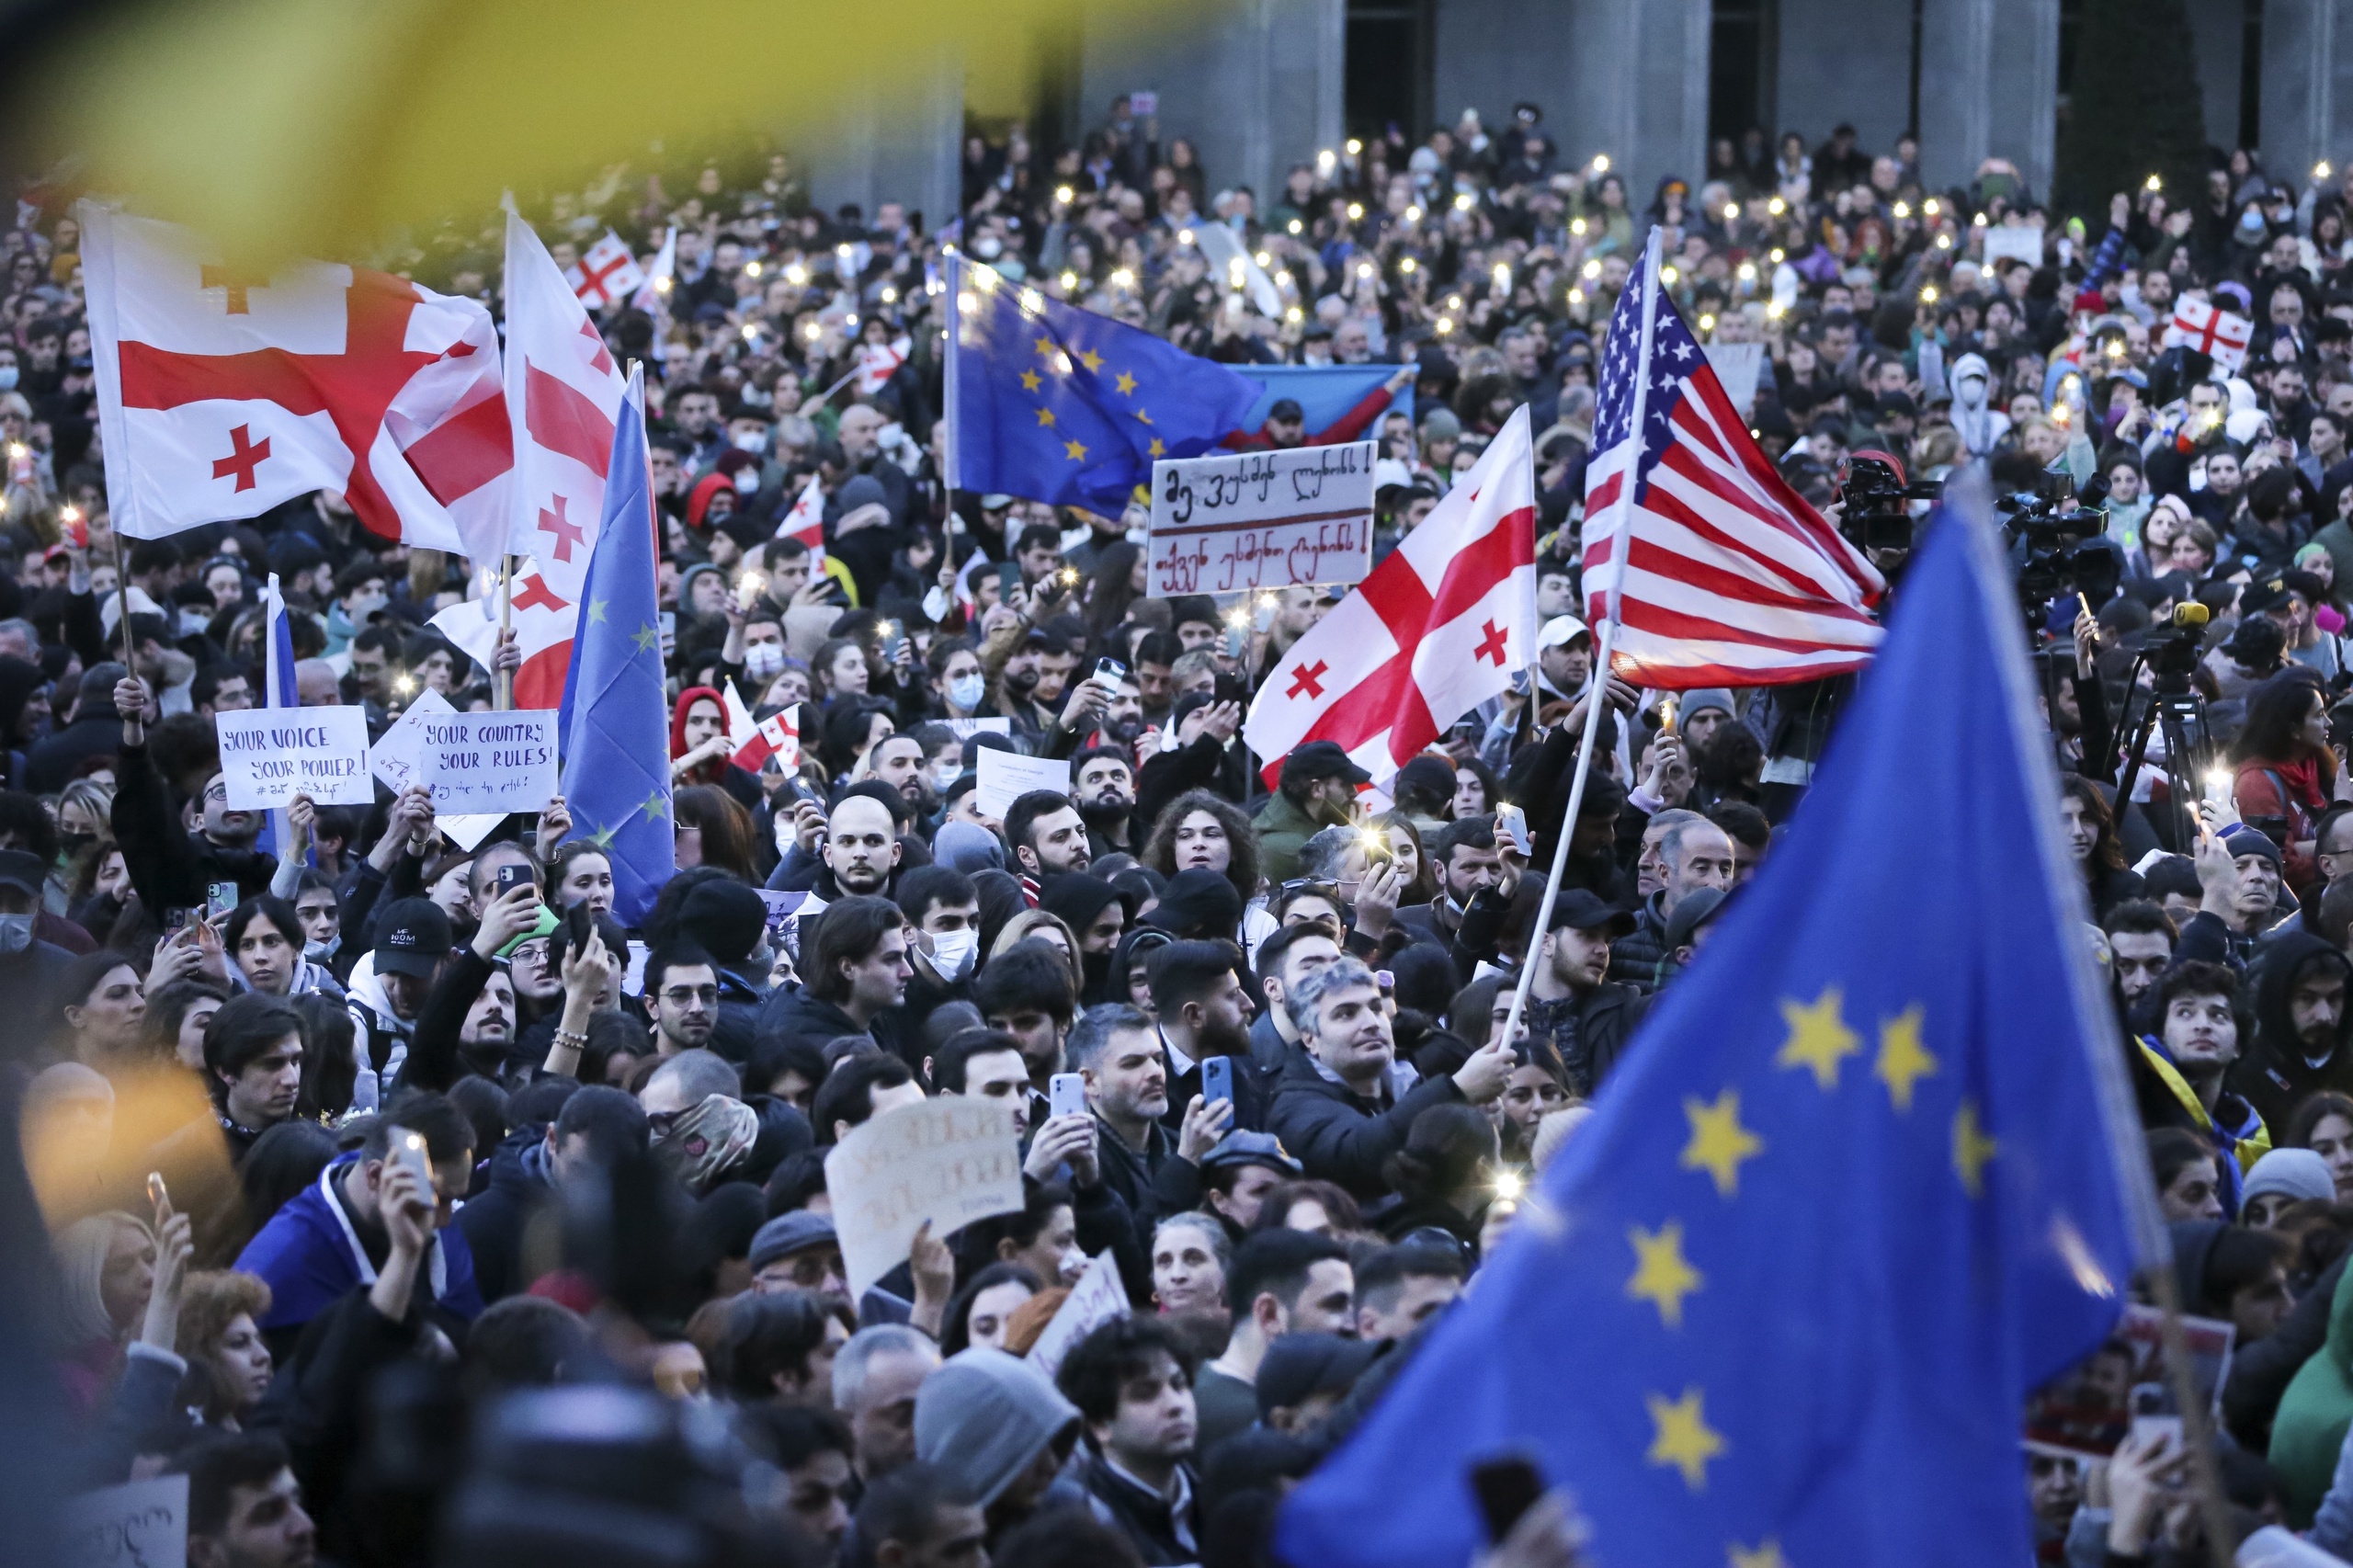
1597 701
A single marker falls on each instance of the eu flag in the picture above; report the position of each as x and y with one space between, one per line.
1059 405
615 723
1866 1178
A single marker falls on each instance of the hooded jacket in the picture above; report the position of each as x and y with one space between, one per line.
736 782
310 1257
1283 828
984 1416
1979 424
493 1220
2314 1412
2275 1073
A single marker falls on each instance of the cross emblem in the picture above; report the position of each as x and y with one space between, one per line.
1308 678
567 532
537 594
243 458
1492 645
595 276
598 360
235 283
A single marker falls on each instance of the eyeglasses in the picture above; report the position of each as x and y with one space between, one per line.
530 952
1323 885
682 996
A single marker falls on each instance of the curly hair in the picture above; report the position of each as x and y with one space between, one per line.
212 1299
1241 835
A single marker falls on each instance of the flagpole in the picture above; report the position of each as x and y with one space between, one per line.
1597 702
123 599
506 682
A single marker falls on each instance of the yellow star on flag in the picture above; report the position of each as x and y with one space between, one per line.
1045 416
1763 1554
1682 1437
645 637
1125 382
1663 1275
1156 449
1902 1061
1143 416
1074 451
656 806
602 838
1719 1142
1045 347
1818 1039
1092 360
1972 1148
1030 380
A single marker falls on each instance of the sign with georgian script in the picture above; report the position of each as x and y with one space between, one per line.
952 1160
268 756
143 1524
489 762
1271 519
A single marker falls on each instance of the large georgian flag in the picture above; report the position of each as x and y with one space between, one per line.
224 393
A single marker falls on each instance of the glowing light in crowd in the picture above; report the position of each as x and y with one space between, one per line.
752 269
1355 146
1063 195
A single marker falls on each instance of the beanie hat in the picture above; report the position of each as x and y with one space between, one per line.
1707 698
2298 1173
790 1233
725 918
983 1417
968 847
2242 841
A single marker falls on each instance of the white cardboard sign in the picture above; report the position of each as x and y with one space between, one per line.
952 1160
143 1524
1096 1299
394 757
1271 519
1004 776
268 756
489 762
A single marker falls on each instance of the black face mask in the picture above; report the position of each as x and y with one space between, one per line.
73 844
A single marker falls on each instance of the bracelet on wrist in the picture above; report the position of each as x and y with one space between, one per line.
570 1039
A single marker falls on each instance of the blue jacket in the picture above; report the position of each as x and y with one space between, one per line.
312 1257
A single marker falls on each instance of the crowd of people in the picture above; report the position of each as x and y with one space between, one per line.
410 1205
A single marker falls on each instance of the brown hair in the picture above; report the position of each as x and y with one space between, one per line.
211 1301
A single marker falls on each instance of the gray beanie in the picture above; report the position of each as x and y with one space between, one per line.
968 847
1709 697
984 1416
789 1233
2298 1173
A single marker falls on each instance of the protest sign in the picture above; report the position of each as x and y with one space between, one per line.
2088 1410
1736 366
1096 1299
1004 776
394 757
489 762
2006 242
1271 519
965 728
141 1525
950 1160
268 756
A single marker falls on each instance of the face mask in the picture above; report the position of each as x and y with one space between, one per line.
193 622
952 953
319 952
764 661
747 479
966 691
365 605
987 247
753 441
7 378
945 775
73 844
15 933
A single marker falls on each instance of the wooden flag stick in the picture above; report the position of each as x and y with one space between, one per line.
505 677
123 599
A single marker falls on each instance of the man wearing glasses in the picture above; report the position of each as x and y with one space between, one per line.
682 993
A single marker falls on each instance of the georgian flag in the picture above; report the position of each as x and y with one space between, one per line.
605 272
563 391
2212 331
756 741
877 362
224 392
544 624
653 293
806 522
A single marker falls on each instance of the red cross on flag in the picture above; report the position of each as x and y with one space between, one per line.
606 273
224 392
877 362
757 740
806 522
1438 627
563 392
2212 331
544 624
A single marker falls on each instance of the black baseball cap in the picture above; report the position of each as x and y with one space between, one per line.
1286 408
22 869
412 937
1321 759
1581 909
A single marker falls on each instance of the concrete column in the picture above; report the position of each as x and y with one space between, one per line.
1494 53
2218 35
1989 88
1255 85
1640 88
2307 85
906 149
1869 47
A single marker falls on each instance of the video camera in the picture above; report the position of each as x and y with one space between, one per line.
2172 650
1872 496
2057 546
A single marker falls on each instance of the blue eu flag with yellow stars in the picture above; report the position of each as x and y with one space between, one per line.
615 721
1055 404
1866 1177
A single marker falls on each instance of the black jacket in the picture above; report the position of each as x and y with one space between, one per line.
796 1011
2273 1074
1150 1522
1633 959
1341 1138
170 867
494 1220
1589 1031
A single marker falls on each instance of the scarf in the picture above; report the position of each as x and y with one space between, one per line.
704 1142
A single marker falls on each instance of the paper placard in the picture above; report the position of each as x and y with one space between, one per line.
967 728
1096 1299
950 1160
1004 776
1144 105
1737 366
268 756
394 757
492 762
141 1525
2088 1409
1273 519
2022 242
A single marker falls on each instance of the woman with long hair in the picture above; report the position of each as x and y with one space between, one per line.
712 829
2286 772
2090 829
1202 830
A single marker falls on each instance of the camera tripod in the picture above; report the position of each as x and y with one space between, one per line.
2178 712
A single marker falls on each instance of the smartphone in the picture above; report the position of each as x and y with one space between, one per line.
1387 980
1110 670
408 1149
158 1195
1506 1488
1217 1079
2153 1413
1667 715
219 898
1511 822
894 639
513 875
1066 1094
175 920
668 622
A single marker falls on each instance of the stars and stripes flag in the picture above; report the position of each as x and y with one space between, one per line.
605 272
1439 627
1714 571
2212 331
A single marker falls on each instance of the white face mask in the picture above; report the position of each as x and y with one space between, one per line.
945 773
752 440
966 691
952 952
763 661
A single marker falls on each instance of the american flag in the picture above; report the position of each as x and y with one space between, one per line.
1718 573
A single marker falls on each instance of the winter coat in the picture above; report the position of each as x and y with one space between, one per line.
1283 828
493 1220
310 1257
2271 1072
2314 1412
1340 1136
